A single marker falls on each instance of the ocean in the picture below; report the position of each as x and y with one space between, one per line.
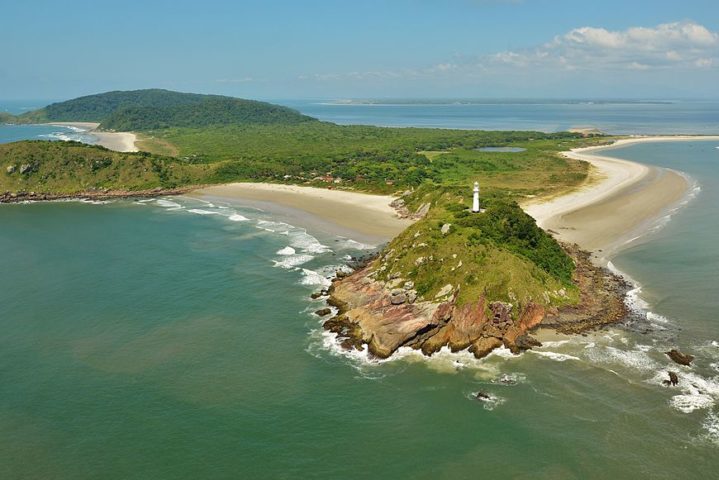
618 117
174 338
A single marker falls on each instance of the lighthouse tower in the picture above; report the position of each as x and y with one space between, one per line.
475 199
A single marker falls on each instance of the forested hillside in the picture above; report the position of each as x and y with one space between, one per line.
141 110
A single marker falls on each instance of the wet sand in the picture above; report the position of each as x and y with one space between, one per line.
362 217
619 201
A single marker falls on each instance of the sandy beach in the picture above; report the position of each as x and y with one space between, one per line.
619 200
362 217
117 141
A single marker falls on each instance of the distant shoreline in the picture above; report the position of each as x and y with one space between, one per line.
117 141
617 203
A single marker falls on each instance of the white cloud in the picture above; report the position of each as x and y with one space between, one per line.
670 44
685 45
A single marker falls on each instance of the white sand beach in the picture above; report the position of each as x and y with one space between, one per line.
117 141
360 216
618 201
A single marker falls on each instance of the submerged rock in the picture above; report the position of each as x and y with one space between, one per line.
483 397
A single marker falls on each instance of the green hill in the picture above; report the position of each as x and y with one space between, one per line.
59 168
7 118
142 110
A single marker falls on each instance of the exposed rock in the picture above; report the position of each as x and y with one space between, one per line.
673 380
12 197
482 396
446 290
483 346
526 342
601 302
323 312
411 296
679 357
422 211
419 261
387 316
398 297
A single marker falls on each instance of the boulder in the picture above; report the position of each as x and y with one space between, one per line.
323 312
445 228
398 299
411 296
446 290
484 345
679 357
10 169
526 342
673 380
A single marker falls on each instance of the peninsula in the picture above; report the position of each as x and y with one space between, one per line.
450 276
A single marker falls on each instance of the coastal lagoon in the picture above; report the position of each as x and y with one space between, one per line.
174 338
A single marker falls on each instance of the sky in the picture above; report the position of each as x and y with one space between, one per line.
301 49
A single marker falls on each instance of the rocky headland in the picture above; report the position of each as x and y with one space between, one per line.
384 315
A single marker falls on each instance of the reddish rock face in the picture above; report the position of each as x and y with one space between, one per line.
373 314
370 314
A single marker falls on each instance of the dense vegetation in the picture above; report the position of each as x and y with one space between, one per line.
375 158
141 110
71 167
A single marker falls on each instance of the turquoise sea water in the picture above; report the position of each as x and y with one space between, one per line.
14 133
174 338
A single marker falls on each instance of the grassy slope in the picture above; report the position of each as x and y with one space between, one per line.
70 167
500 253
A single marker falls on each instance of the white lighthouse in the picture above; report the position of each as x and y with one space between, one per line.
475 199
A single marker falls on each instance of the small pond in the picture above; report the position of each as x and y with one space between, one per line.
501 149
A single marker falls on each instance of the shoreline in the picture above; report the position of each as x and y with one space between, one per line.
23 197
116 141
618 204
618 198
363 217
